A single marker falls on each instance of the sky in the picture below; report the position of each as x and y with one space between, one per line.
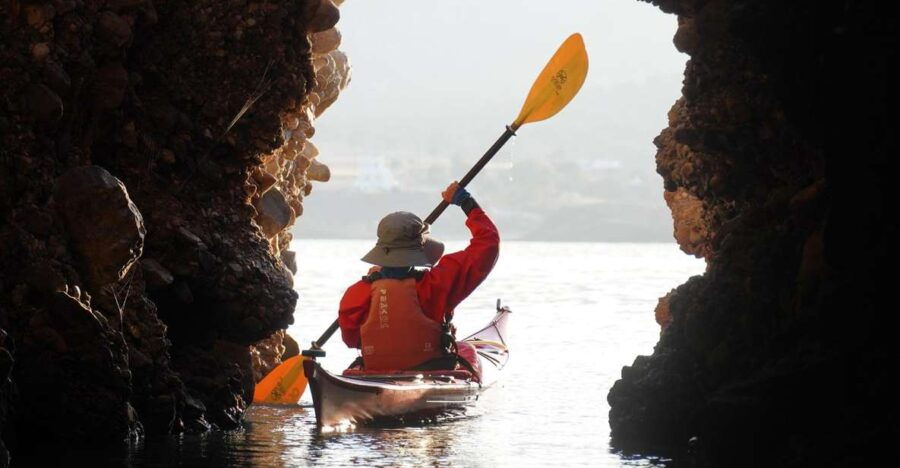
435 82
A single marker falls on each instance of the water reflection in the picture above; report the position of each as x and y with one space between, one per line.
283 436
286 436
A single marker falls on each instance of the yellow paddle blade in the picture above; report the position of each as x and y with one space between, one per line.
557 84
283 385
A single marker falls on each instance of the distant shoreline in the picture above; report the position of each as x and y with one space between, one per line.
460 239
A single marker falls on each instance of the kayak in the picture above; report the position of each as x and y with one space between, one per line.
407 396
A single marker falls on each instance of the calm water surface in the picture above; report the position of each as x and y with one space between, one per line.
581 312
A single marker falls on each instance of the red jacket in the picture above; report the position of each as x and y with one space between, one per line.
442 288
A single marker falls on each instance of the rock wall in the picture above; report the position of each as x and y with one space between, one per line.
775 168
152 155
277 187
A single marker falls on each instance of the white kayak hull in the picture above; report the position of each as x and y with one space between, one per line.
341 400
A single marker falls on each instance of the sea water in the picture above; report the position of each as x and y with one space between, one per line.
580 312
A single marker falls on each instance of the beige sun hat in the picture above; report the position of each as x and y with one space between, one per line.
403 242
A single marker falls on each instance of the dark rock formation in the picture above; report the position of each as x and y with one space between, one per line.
291 347
105 229
268 354
136 137
6 389
71 370
781 353
273 212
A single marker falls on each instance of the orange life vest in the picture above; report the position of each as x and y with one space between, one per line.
396 334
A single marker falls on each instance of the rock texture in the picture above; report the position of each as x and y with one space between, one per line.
105 228
775 167
267 355
687 217
140 259
278 186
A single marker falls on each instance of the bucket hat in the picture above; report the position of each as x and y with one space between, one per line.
403 242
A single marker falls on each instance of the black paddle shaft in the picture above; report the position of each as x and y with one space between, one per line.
316 348
507 134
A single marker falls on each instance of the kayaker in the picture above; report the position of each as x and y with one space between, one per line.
398 315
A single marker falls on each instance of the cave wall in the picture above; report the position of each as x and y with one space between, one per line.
775 168
152 156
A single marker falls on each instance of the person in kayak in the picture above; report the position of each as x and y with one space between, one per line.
399 316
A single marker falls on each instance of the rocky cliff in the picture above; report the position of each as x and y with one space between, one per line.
152 155
775 167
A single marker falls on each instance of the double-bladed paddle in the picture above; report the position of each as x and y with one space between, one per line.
557 84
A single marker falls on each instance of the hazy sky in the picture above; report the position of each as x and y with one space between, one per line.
438 80
443 70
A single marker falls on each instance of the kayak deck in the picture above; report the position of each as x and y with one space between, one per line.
409 396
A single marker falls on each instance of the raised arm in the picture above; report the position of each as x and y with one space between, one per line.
458 274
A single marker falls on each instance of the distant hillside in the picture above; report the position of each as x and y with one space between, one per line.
354 214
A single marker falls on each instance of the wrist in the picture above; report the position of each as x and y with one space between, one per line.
460 196
468 205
